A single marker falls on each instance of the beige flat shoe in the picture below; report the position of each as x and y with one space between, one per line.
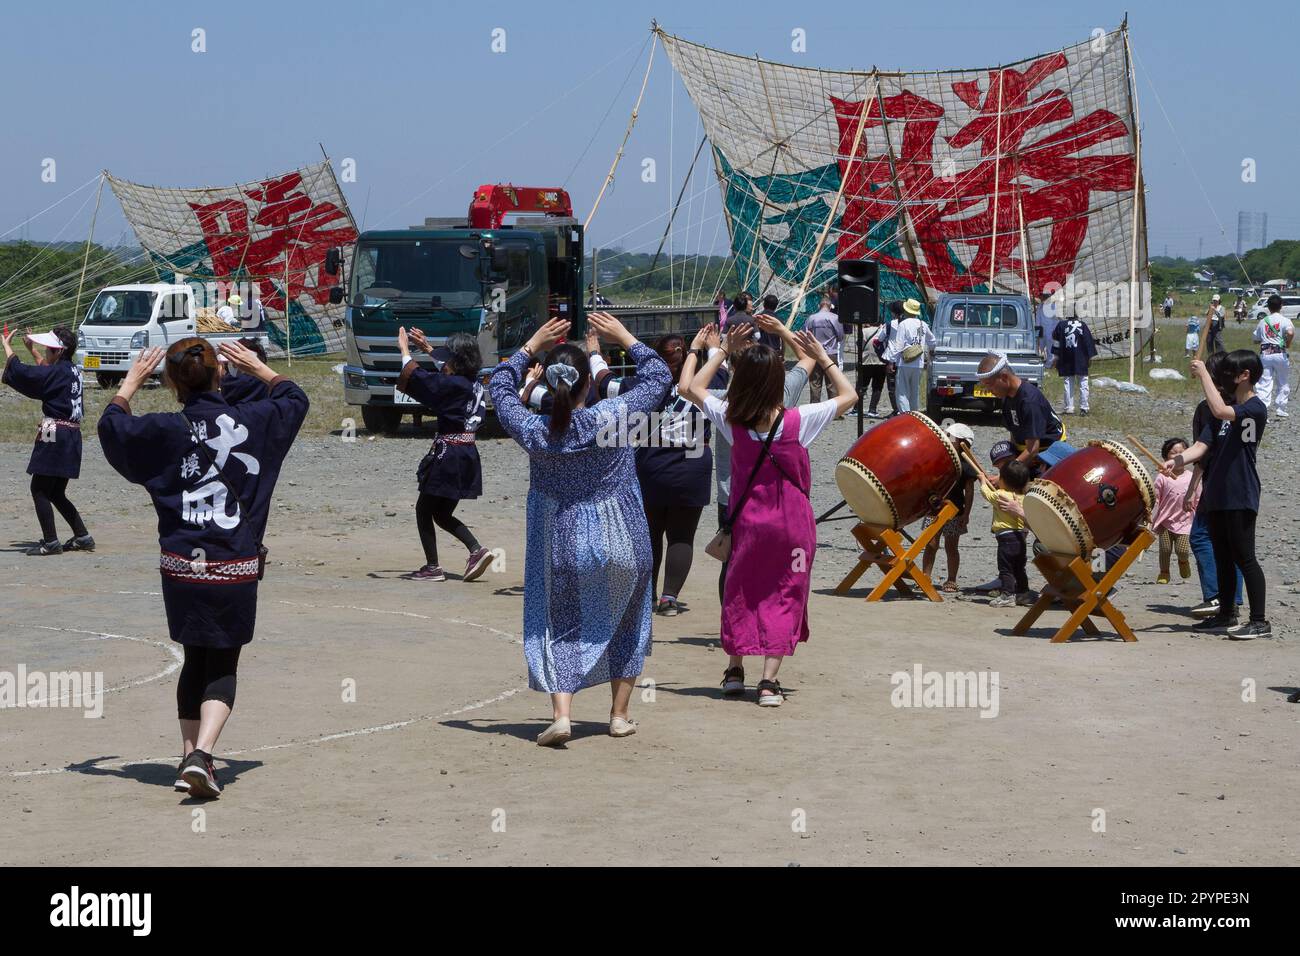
621 727
558 733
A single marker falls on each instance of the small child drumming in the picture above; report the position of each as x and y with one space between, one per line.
1009 530
1172 519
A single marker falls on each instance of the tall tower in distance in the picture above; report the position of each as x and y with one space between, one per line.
1252 231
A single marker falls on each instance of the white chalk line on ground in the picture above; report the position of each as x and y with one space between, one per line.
177 659
305 742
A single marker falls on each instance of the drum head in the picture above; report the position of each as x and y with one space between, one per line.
1056 521
865 495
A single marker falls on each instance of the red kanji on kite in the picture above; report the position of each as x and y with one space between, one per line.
1050 178
300 233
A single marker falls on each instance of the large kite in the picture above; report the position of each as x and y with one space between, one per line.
273 233
963 180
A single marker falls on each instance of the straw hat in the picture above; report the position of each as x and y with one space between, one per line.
911 307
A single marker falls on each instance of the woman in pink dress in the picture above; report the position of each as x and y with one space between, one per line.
774 538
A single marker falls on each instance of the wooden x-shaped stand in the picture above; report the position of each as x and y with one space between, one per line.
886 548
1081 593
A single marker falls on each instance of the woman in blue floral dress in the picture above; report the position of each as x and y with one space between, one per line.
587 575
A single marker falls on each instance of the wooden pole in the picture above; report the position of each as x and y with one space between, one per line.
1137 210
830 217
1024 248
905 223
76 309
288 317
609 177
997 186
970 460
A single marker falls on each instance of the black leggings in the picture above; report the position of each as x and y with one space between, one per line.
49 492
431 509
677 523
1232 535
207 674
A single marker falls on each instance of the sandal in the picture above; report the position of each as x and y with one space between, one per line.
733 682
774 697
949 587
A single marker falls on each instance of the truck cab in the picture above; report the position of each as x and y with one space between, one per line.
967 326
479 275
123 320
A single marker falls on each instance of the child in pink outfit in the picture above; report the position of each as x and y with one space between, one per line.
1172 519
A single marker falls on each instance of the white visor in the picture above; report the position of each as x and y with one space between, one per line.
48 339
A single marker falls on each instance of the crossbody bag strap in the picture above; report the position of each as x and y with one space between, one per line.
758 462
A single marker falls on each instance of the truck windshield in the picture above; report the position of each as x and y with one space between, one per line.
447 268
121 307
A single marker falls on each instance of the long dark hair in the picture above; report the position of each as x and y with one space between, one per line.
564 395
757 386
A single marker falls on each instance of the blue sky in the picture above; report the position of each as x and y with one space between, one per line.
414 93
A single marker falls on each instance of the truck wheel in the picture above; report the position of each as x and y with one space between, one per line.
381 420
108 380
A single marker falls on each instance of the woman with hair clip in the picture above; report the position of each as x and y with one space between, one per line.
56 456
211 471
451 471
770 519
587 584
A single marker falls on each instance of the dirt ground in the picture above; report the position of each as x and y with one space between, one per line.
434 761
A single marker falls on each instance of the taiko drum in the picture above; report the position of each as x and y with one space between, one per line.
899 471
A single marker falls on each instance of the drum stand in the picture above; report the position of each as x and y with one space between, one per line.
1082 594
884 547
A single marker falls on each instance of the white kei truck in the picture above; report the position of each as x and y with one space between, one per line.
125 319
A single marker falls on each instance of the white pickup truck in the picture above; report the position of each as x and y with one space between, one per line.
124 319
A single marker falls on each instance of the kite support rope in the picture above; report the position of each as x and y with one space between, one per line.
631 122
76 309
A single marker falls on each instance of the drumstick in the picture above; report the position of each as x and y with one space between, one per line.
976 465
1143 448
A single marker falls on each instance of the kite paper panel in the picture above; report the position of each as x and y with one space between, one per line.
947 167
266 233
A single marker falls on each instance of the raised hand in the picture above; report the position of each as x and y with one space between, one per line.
611 329
246 360
546 336
419 340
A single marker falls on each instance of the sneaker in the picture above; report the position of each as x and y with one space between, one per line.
1214 625
181 785
430 572
1026 599
1162 579
1208 608
1084 413
478 563
1249 631
733 682
82 542
197 770
1003 600
668 607
1282 414
44 549
1293 698
872 413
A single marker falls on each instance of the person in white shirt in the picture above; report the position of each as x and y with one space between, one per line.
227 312
908 350
1274 334
1045 322
825 328
1214 339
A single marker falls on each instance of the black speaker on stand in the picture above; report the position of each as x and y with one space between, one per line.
859 305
